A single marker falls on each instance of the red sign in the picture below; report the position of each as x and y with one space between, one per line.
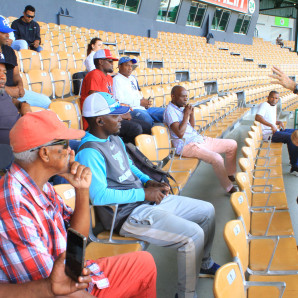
238 5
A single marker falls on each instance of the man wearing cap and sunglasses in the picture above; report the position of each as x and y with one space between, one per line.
99 80
34 219
146 209
125 89
14 84
26 29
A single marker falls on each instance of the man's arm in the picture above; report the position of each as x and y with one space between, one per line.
282 79
14 26
264 122
58 284
17 80
180 128
23 107
79 176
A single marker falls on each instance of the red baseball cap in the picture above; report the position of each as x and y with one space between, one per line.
38 128
104 54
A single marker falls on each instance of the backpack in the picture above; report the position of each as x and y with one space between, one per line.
78 78
147 167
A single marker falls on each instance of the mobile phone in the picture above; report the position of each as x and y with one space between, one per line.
75 254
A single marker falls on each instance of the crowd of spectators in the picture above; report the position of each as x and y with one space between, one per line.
34 219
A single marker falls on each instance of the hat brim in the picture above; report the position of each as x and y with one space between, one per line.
6 30
70 134
133 61
120 111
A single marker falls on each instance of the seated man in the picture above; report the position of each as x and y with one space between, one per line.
266 115
125 89
34 219
14 84
99 80
26 31
147 211
279 41
179 117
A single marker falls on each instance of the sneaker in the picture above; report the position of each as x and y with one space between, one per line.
294 171
209 272
232 190
232 178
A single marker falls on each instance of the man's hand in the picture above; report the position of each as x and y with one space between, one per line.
12 91
188 110
164 187
126 116
274 129
77 175
36 43
282 79
146 103
61 284
280 124
154 194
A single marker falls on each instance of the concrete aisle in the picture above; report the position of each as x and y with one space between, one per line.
204 185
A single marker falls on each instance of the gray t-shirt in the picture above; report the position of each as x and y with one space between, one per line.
8 117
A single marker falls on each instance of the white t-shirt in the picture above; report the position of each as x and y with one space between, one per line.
89 62
268 112
126 91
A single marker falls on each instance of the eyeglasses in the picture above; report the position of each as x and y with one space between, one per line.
64 143
30 17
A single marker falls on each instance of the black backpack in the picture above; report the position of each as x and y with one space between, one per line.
147 167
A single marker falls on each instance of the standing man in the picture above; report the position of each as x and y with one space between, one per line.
125 89
27 30
274 129
179 117
146 210
14 84
99 80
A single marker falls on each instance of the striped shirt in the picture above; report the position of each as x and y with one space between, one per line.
33 227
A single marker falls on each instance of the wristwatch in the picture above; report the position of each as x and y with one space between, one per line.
296 89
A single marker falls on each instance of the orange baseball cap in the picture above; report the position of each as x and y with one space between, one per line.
38 128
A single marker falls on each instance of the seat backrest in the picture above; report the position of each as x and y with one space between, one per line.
242 180
67 193
228 282
240 206
146 145
235 238
61 82
29 60
49 60
66 111
66 60
245 165
162 140
40 81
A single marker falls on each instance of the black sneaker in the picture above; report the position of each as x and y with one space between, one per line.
209 272
294 171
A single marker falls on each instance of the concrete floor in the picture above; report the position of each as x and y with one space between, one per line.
204 185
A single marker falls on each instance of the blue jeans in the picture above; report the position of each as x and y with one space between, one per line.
35 99
19 44
150 115
284 136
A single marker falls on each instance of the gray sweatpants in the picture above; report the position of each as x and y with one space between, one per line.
179 222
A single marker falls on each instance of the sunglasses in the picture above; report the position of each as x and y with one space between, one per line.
64 143
30 17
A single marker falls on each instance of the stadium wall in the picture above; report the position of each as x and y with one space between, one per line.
144 23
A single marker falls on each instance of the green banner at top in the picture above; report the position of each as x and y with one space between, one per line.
282 22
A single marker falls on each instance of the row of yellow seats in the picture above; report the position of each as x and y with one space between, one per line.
261 241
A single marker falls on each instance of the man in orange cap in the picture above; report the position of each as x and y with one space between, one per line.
34 219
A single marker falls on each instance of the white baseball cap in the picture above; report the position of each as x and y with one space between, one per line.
102 103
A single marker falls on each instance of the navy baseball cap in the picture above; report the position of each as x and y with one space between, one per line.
126 59
4 26
102 103
2 61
